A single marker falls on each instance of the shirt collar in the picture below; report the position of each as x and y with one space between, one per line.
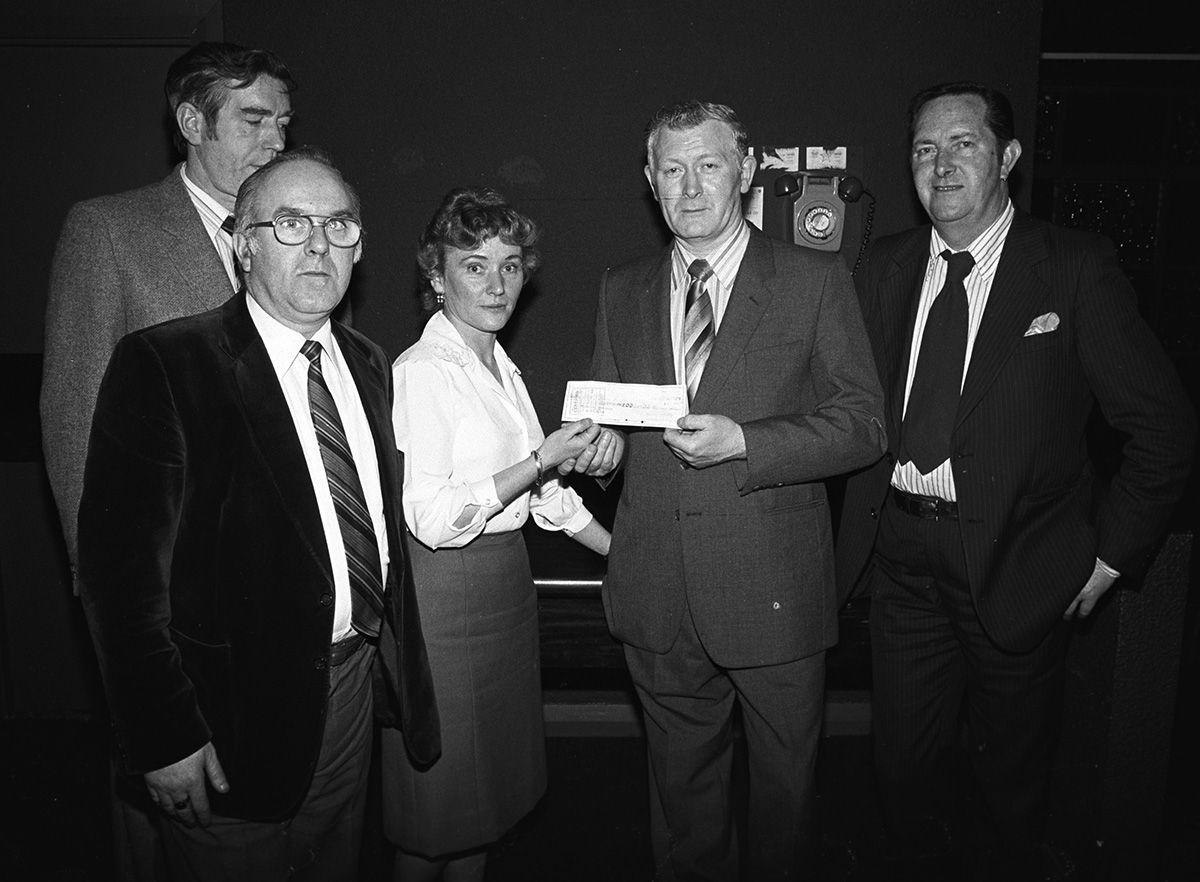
204 202
724 259
440 326
283 344
986 247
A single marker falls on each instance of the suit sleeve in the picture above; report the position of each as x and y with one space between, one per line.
844 430
604 368
1140 395
84 320
128 522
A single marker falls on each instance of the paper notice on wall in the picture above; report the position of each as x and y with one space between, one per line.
753 204
825 157
780 158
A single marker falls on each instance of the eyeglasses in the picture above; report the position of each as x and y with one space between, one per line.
294 229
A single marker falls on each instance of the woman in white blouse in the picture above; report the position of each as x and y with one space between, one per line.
476 465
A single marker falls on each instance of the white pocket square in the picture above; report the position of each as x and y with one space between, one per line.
1043 324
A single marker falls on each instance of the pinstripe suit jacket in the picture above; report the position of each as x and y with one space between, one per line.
123 262
744 547
1031 527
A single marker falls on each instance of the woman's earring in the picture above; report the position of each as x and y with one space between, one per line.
441 298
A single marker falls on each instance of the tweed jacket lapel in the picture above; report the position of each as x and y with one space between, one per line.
270 425
186 246
1017 296
751 295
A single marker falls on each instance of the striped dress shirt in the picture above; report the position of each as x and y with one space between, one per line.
986 249
725 260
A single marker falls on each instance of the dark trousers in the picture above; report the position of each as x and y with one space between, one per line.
687 702
322 842
931 660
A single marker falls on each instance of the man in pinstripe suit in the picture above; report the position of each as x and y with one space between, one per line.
980 533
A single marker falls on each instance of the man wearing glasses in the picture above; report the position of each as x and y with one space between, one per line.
129 260
240 558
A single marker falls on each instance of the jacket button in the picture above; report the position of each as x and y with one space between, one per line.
326 600
874 514
321 663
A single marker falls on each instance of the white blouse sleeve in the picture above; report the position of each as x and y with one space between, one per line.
558 508
424 419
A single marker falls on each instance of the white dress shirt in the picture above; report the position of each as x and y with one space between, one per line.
986 249
291 367
725 261
458 427
212 214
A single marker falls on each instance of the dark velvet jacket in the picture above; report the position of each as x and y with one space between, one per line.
204 570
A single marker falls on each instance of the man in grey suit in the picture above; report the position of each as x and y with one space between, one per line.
131 260
720 578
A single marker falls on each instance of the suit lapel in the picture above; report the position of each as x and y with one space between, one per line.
188 245
899 295
270 425
371 391
640 326
1016 298
375 395
748 301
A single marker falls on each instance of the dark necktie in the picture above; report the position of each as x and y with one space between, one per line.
358 533
227 224
697 326
933 399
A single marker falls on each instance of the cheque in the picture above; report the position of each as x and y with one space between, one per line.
625 404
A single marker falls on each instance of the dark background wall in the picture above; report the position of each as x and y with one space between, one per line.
546 102
543 100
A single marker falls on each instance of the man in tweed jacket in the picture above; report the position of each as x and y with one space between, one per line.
131 260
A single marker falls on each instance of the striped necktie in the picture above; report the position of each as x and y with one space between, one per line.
697 326
358 533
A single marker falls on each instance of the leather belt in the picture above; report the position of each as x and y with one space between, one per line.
342 650
925 506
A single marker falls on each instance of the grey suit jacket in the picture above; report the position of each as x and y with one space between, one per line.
123 262
744 545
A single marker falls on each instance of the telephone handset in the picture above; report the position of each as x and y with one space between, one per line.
818 209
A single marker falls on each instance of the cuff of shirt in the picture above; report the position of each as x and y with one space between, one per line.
1109 570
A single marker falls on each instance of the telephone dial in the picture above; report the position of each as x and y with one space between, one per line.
818 214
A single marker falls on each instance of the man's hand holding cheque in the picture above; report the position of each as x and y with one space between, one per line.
706 439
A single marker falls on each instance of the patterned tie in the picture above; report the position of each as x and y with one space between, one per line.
697 326
937 382
358 534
